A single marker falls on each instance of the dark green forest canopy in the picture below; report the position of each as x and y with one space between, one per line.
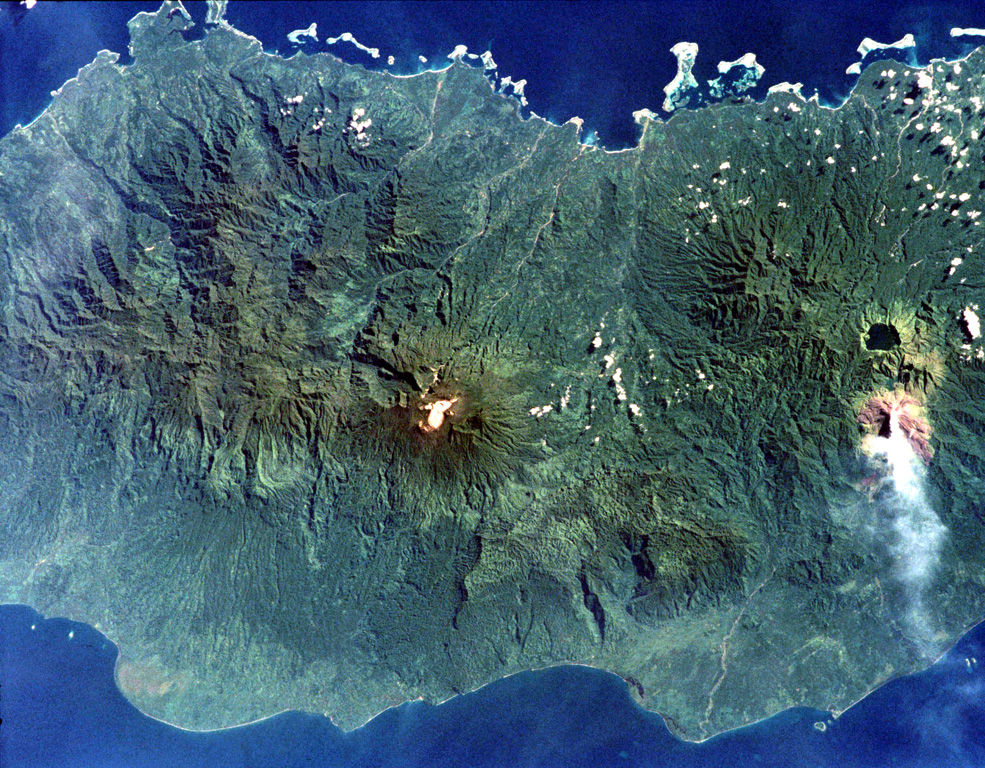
324 388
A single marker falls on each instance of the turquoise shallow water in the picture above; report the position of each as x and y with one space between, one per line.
597 60
58 702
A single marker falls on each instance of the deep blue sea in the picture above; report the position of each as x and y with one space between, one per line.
599 61
61 708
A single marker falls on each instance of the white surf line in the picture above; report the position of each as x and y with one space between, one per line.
868 45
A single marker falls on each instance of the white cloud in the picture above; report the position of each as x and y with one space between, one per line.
913 533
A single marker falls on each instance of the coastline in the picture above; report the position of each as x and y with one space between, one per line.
679 733
646 118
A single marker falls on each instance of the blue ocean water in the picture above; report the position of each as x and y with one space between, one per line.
60 707
601 61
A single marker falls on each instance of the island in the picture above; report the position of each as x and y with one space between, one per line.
327 389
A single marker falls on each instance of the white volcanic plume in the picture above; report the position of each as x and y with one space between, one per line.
914 532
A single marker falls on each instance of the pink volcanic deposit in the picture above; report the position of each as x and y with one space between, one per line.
910 418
